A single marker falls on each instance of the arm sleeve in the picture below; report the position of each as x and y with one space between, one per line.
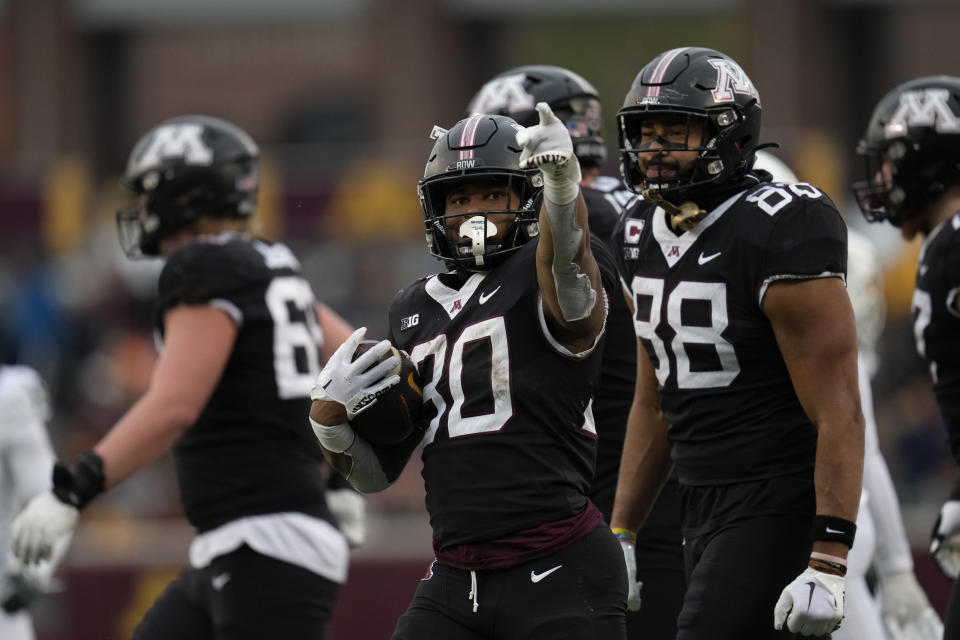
808 240
892 554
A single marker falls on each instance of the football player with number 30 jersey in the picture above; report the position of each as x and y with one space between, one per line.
507 346
242 343
658 547
747 358
911 150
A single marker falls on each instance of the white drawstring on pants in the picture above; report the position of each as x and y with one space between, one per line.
473 591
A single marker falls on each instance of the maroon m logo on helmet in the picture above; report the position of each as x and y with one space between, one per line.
731 79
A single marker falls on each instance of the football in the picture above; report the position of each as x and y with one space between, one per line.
396 412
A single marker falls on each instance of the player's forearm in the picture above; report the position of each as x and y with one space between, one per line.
644 468
839 473
143 434
568 275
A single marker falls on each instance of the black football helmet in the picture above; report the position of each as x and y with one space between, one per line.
515 93
182 169
692 82
911 149
478 147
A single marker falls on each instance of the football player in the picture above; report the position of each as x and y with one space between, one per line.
659 554
25 460
746 358
242 344
901 607
911 150
507 344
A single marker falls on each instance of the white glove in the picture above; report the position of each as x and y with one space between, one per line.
907 613
42 523
548 147
633 585
945 545
355 383
349 508
811 605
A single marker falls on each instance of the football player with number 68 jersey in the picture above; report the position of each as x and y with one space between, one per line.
747 358
243 340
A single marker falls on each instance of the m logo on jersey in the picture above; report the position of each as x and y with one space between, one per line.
503 95
182 140
632 231
730 80
923 108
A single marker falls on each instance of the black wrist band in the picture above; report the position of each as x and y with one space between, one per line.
833 568
81 482
832 529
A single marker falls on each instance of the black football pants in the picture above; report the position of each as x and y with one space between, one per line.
242 595
951 622
660 567
736 575
577 593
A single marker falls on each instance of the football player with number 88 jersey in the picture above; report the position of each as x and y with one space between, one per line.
242 342
747 371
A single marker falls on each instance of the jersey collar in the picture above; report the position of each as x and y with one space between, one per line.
673 246
453 300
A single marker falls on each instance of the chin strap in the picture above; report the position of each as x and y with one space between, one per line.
683 217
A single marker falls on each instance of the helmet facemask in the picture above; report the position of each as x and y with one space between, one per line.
720 156
470 240
898 182
583 119
182 170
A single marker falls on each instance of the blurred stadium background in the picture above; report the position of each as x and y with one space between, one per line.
341 95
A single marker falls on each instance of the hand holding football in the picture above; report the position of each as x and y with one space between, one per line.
389 415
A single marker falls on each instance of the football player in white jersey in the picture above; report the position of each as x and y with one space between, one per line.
901 607
25 460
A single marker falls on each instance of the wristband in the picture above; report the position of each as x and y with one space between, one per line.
833 529
625 534
81 482
825 566
337 438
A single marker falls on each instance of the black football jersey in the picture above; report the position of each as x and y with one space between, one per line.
606 198
725 389
618 365
936 321
251 451
511 440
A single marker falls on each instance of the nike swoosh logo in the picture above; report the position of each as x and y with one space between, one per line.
813 587
537 577
220 581
829 530
705 259
486 296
